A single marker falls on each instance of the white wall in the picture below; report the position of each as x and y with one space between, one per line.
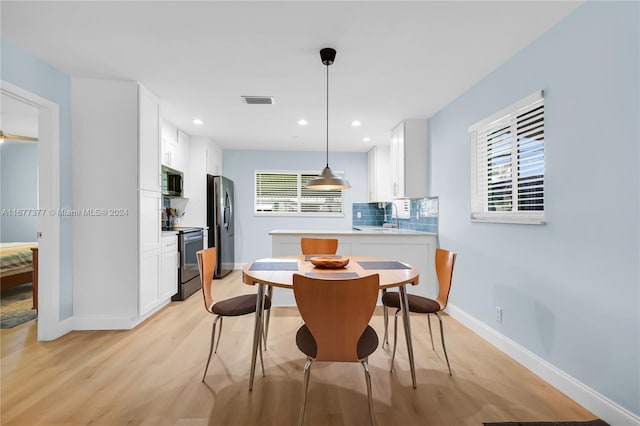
22 69
569 289
252 232
205 158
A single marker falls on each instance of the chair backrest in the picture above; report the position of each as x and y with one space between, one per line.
206 265
445 260
319 245
336 312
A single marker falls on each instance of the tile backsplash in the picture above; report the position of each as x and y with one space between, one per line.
423 215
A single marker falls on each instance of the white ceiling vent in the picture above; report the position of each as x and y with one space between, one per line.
258 100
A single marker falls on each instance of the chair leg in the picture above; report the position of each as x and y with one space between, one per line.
443 347
305 387
385 314
367 376
430 333
395 337
219 334
213 335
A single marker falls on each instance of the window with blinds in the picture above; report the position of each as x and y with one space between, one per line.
283 193
507 164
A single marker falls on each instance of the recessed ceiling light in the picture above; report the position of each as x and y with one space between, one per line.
303 122
198 121
355 123
366 140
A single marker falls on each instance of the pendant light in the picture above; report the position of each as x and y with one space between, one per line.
327 180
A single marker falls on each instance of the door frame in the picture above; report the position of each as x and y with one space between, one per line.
49 325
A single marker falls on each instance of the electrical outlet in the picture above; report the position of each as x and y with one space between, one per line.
359 215
498 314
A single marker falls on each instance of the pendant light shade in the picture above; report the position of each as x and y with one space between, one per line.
327 180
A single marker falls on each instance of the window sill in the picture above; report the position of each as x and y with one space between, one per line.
508 219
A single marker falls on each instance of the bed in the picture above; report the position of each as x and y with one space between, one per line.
18 265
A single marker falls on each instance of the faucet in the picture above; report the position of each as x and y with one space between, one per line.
397 225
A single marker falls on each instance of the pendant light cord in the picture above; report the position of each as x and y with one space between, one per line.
327 115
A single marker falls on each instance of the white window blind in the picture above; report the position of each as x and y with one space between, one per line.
507 164
283 193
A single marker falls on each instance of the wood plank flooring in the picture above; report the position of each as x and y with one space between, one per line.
151 375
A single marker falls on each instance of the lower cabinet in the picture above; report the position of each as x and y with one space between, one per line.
169 278
150 261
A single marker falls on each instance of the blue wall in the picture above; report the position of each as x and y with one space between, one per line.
18 190
569 290
252 240
21 69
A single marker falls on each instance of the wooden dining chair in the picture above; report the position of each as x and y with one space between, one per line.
336 329
319 245
233 307
445 260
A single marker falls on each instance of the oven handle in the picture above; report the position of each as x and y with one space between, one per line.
192 236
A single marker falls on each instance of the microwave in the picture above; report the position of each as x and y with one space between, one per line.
171 183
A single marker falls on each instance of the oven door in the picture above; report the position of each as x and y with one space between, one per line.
190 244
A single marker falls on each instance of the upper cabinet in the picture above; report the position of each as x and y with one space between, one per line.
408 159
149 174
183 161
379 183
175 147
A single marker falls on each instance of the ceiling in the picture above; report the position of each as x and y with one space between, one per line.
395 60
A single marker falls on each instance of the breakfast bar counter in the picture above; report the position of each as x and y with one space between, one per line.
413 247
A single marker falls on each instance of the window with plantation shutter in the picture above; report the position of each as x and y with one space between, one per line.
283 193
507 164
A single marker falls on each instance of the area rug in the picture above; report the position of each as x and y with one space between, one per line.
15 306
596 422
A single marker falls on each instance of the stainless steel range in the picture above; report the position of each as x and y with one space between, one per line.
190 240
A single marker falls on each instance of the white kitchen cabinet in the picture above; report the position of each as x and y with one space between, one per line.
149 245
169 267
182 162
149 174
169 144
117 257
175 147
149 292
150 219
408 159
379 178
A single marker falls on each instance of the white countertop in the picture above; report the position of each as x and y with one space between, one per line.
363 230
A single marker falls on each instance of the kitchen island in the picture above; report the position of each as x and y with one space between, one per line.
412 247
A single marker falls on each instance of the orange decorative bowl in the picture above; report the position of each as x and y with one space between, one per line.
330 262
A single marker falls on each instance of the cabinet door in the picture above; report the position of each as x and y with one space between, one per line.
379 174
149 177
149 280
372 172
182 151
150 225
396 159
169 278
169 136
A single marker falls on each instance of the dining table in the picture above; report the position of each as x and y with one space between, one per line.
278 272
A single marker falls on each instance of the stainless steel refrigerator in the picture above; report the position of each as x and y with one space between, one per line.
220 222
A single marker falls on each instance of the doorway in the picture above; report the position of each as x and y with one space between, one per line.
19 201
48 200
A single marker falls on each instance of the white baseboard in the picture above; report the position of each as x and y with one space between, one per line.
598 404
53 330
114 323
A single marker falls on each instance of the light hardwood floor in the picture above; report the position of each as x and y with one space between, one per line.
151 376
